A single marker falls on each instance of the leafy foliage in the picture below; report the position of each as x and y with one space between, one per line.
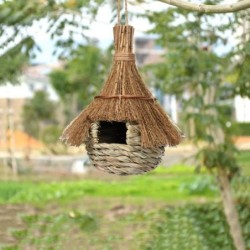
201 185
242 189
13 60
243 129
62 21
196 227
186 227
51 133
220 156
81 78
242 55
195 72
38 112
52 230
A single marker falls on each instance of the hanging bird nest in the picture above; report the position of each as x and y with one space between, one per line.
124 128
121 152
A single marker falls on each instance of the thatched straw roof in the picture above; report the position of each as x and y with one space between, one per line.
125 97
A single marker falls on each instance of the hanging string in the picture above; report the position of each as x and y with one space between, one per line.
126 11
119 12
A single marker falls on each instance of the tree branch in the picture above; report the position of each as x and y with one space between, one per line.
204 8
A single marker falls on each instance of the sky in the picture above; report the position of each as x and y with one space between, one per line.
100 29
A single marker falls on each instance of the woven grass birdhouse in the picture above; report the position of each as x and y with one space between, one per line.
124 128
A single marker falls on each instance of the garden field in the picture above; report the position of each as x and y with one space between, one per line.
165 209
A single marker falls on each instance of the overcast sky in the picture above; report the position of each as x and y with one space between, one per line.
101 29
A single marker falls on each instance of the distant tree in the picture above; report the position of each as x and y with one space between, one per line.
81 78
38 113
242 55
61 20
12 62
193 67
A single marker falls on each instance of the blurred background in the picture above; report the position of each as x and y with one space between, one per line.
54 58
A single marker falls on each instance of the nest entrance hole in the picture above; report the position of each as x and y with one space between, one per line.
112 132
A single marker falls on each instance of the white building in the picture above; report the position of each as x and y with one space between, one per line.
242 109
14 97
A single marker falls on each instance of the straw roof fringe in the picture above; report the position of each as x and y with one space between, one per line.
123 98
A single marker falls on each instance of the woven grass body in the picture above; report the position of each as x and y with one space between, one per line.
123 159
124 98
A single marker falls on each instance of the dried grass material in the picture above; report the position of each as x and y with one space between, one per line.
125 98
123 159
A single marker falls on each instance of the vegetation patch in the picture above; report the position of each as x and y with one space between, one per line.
163 184
201 227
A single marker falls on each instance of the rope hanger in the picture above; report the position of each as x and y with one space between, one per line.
124 56
119 12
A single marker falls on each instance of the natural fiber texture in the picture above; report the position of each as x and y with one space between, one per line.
126 97
124 57
123 159
124 80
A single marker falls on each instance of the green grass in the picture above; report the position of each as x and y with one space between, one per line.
244 162
172 184
177 170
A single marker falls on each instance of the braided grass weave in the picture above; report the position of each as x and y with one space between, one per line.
123 159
